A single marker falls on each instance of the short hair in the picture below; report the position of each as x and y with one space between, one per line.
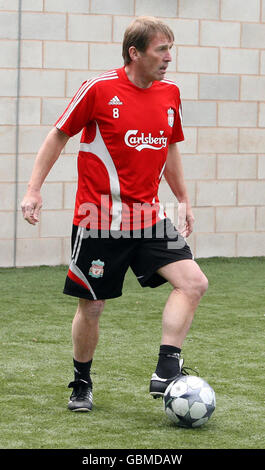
141 32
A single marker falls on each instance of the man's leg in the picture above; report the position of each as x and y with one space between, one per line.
85 335
85 329
189 284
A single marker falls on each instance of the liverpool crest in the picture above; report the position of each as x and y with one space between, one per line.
170 117
96 268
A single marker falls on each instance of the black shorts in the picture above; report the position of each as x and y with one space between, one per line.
100 260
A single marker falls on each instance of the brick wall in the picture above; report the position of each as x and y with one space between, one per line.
219 65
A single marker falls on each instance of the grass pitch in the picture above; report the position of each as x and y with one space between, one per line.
225 345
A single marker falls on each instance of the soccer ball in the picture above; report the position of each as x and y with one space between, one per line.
189 401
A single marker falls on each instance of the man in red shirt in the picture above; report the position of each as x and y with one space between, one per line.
131 122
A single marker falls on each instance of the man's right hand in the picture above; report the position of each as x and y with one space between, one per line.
31 206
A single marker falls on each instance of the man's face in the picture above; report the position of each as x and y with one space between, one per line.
154 61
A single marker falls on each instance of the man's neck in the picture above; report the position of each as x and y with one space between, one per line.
138 80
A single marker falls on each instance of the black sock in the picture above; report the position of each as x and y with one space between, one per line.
168 362
82 370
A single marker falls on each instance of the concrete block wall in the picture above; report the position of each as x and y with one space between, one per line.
219 65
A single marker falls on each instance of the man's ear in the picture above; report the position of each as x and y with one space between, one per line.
134 53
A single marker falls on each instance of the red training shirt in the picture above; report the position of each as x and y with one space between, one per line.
123 148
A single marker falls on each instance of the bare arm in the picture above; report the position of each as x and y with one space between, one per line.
46 157
175 178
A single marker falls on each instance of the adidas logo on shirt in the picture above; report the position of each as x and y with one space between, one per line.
115 101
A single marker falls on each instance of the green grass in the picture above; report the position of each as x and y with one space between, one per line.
225 344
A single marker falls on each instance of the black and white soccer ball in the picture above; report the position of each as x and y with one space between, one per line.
189 401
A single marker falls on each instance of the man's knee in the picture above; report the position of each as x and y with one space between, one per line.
91 308
202 284
195 287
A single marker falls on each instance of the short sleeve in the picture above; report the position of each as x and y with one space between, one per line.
177 131
79 111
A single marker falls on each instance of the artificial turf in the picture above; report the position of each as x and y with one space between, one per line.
225 345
